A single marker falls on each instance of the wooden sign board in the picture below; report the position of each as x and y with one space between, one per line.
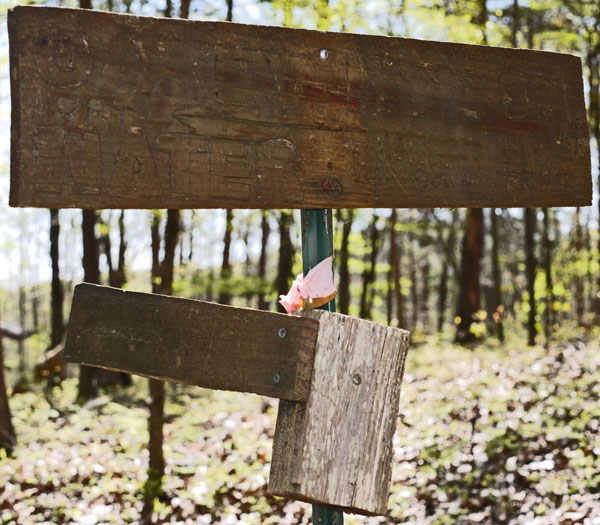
333 441
337 448
193 342
119 111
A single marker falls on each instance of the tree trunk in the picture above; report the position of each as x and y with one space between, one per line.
442 297
57 293
248 293
496 277
153 485
286 256
21 342
119 277
425 290
109 377
468 295
395 266
547 256
578 253
185 8
368 275
224 295
88 376
171 236
447 263
515 23
262 260
8 438
414 292
162 282
590 275
530 268
190 254
168 9
35 308
343 296
593 59
389 297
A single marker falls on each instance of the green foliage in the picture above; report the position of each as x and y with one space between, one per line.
485 435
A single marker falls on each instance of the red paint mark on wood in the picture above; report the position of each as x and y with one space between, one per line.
503 123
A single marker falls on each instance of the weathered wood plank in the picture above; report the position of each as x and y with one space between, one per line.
117 111
336 449
192 342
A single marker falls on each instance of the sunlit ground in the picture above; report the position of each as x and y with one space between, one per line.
490 435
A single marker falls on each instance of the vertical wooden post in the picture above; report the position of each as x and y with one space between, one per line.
317 244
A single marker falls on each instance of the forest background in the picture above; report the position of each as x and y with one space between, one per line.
499 413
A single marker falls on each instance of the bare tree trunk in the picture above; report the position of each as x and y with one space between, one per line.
91 252
109 377
496 277
8 438
414 291
515 23
447 263
155 244
286 255
442 297
530 268
21 342
593 59
589 276
190 254
224 295
578 245
88 376
425 290
57 294
368 276
185 8
343 296
162 282
262 260
468 296
395 267
172 229
35 308
547 257
119 278
389 293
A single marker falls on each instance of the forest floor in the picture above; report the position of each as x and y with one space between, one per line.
489 435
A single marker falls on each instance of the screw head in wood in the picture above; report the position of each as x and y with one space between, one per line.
282 332
276 378
324 54
356 379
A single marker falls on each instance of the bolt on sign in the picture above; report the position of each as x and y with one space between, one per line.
119 111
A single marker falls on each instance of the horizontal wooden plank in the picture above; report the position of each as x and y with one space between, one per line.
192 342
337 448
118 111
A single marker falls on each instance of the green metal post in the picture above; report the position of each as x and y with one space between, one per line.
317 244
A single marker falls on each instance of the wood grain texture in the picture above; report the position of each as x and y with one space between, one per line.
192 342
118 111
336 449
